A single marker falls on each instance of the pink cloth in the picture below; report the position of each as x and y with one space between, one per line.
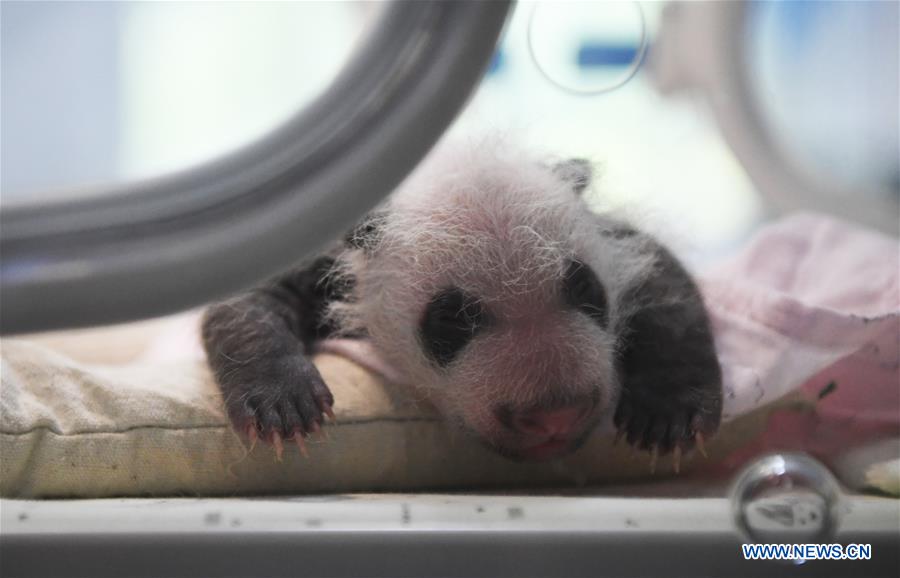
813 304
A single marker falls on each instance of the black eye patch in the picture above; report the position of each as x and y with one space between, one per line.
450 321
583 291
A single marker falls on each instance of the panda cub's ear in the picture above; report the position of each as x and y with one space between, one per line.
366 234
577 172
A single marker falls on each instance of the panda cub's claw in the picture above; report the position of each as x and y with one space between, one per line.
301 444
662 426
279 446
252 435
698 437
286 401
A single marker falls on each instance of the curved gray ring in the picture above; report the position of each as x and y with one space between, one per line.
622 81
166 244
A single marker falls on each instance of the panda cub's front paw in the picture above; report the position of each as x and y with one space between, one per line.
663 422
281 399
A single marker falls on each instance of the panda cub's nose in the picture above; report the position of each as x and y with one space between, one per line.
558 422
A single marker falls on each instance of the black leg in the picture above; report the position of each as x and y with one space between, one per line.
256 345
671 380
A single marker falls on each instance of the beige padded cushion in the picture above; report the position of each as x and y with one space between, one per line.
70 429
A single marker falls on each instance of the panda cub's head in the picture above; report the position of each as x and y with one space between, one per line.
487 282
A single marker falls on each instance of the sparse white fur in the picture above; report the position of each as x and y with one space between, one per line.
500 224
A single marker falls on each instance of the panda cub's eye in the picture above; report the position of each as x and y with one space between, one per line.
451 319
583 291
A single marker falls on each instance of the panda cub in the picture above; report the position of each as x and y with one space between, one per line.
485 280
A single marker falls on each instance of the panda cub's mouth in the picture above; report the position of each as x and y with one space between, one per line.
546 430
548 449
532 446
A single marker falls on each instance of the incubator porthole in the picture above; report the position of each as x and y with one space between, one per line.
823 80
587 48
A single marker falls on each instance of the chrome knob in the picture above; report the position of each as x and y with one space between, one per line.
786 498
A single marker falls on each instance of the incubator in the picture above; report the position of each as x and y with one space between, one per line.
158 156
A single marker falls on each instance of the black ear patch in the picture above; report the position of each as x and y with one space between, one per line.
583 291
578 172
366 234
451 319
